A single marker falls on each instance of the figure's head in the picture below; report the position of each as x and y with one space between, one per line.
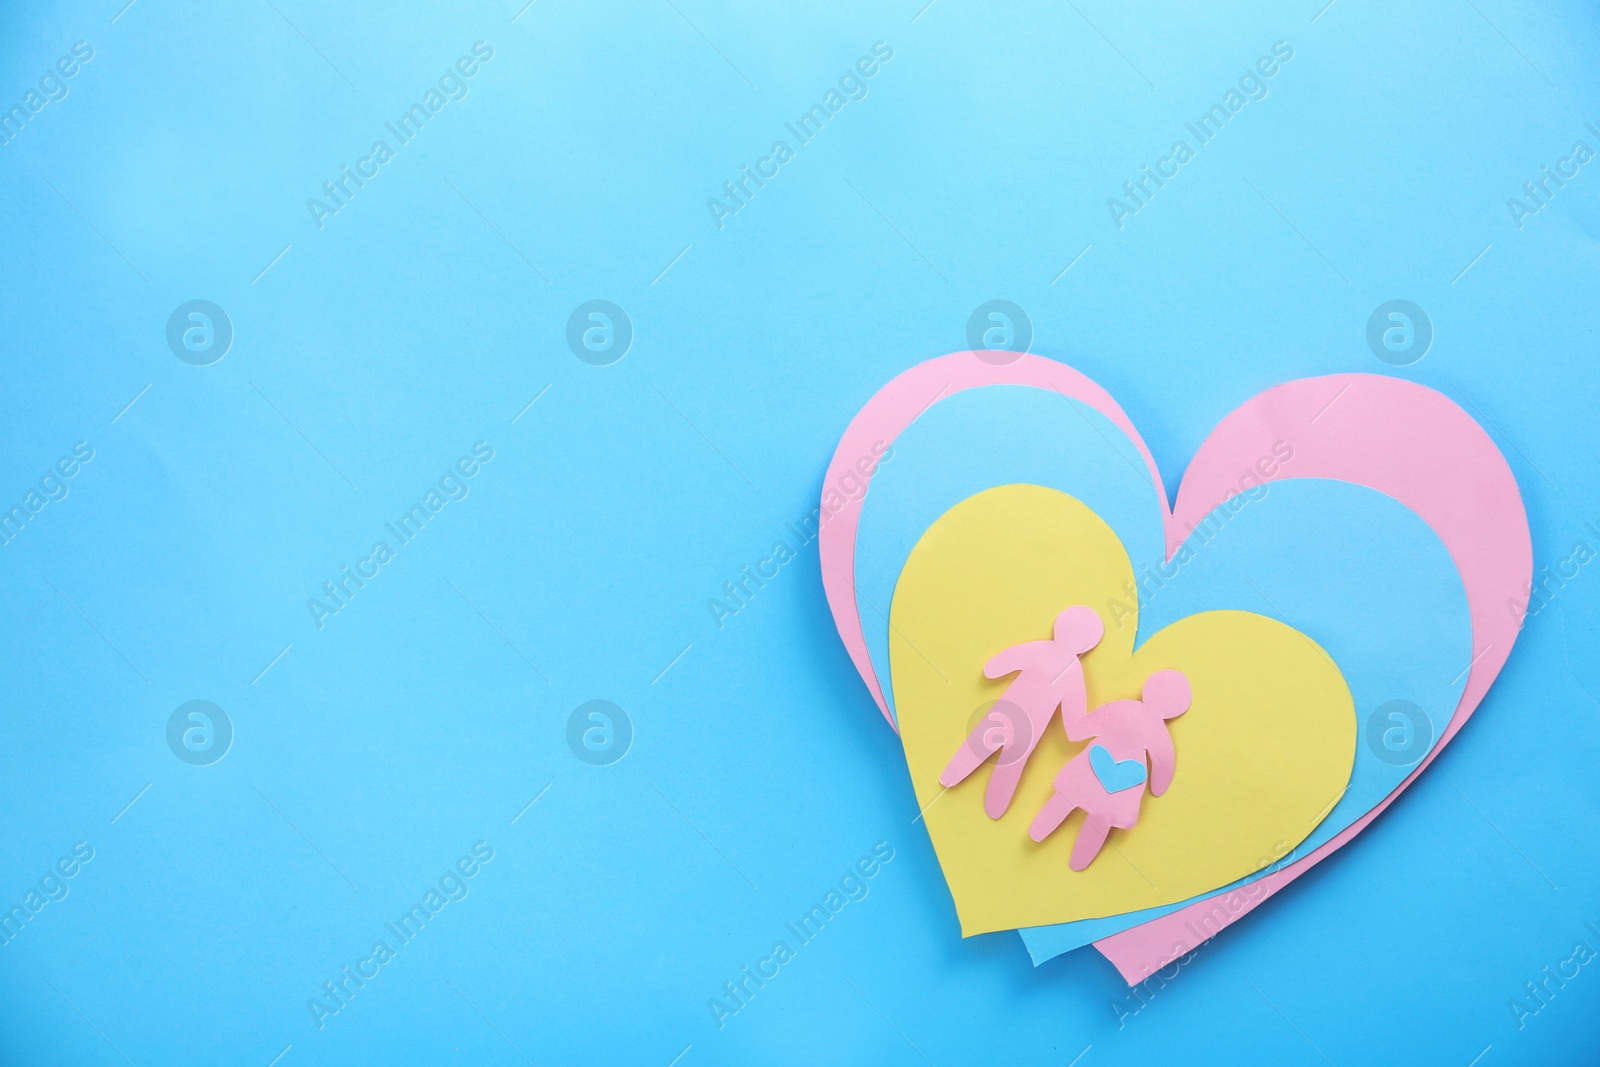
1167 693
1079 628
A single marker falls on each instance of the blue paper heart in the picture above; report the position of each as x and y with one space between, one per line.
1116 775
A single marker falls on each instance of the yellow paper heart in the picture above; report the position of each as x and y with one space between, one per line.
1263 754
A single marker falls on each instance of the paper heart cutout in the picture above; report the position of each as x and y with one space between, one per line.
1383 598
1116 775
1400 438
1263 751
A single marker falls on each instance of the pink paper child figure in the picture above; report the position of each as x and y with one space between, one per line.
1051 677
1107 779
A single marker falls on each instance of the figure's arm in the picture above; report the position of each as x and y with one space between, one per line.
1163 760
1110 717
1021 657
1080 723
1068 689
1013 727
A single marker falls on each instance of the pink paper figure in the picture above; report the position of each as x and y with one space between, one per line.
1107 778
1050 677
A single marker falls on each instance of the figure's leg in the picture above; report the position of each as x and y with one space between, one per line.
1071 790
1091 835
1051 816
1012 730
1003 782
970 756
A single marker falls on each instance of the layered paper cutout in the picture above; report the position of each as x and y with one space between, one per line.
978 439
1399 438
1107 782
1267 745
1048 679
1353 568
1366 579
1419 447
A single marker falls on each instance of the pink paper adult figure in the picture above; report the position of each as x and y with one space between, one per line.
1051 677
1107 779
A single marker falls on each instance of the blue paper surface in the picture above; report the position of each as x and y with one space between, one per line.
370 353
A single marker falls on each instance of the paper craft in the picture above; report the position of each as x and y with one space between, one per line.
977 439
888 413
1106 783
1385 593
1114 776
1419 447
1393 436
1382 596
1267 745
1049 679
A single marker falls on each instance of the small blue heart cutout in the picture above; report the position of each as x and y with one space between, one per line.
1115 775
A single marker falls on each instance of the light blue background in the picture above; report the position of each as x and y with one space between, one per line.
377 350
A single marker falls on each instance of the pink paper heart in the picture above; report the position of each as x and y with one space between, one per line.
1388 434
